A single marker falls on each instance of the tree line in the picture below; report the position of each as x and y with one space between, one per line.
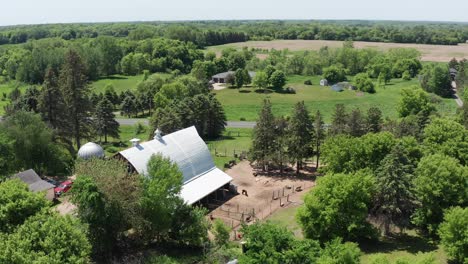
205 33
103 56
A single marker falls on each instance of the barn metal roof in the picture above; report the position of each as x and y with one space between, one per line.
190 153
35 183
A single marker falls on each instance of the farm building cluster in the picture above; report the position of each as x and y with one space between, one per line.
203 183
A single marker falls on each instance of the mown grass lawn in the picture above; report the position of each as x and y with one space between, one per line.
121 83
246 103
127 132
233 141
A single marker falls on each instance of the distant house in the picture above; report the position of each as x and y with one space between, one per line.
323 82
36 184
453 73
224 76
341 86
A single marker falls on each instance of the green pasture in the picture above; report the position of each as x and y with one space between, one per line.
121 83
245 103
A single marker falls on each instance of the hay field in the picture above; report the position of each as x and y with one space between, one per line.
436 53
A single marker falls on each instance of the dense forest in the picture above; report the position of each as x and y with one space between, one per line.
206 33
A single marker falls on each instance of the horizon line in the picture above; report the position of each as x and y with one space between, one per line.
235 20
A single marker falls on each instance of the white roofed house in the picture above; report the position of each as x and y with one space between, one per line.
184 147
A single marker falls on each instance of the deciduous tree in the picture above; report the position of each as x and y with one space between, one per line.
260 80
160 197
17 204
338 207
278 79
47 238
453 234
439 184
414 101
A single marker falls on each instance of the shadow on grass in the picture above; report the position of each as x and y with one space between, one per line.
245 91
400 242
113 78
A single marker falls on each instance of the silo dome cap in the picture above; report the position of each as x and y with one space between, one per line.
91 150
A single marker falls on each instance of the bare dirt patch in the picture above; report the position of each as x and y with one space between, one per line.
219 86
65 207
437 53
265 194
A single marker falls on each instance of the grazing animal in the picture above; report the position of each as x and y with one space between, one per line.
244 192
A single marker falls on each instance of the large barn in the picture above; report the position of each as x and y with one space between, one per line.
190 153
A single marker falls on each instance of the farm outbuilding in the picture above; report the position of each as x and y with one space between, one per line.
323 82
223 77
184 147
341 86
91 150
36 184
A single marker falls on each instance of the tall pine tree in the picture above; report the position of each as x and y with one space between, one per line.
280 156
356 123
264 136
320 134
374 121
75 91
339 120
300 134
51 101
105 120
216 118
394 202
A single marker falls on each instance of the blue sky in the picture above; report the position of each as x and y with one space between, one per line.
63 11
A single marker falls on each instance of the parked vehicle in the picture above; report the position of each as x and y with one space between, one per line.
63 188
52 181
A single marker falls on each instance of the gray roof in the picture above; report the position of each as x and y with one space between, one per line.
35 183
224 75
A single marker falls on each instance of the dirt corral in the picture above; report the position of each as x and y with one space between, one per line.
260 196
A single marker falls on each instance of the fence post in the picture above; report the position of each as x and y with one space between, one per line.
288 198
283 191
